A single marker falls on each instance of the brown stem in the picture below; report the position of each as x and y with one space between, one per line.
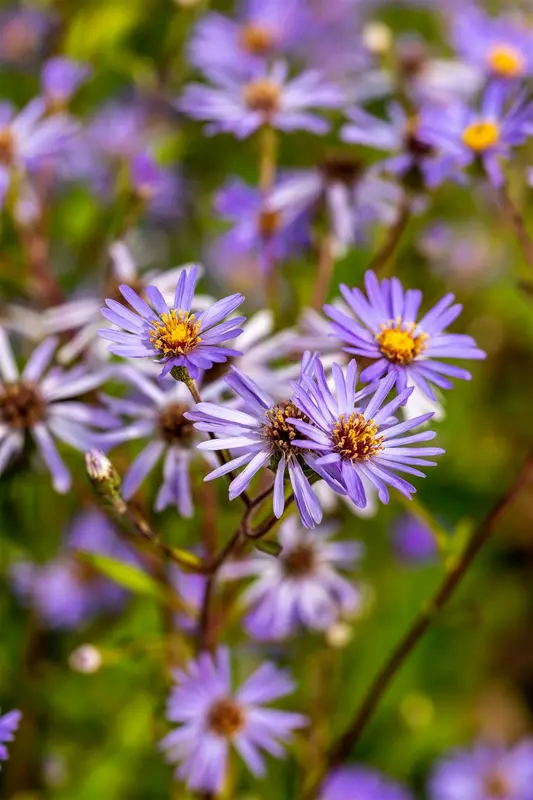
382 261
344 745
36 249
324 273
518 224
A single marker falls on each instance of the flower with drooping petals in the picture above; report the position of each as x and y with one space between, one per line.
173 336
354 439
487 772
385 329
213 717
363 783
303 586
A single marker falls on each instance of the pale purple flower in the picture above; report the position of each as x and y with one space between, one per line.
262 437
268 97
173 336
22 32
462 134
262 30
160 189
413 542
8 725
157 416
67 591
61 77
303 586
213 717
487 772
363 783
41 403
354 440
384 328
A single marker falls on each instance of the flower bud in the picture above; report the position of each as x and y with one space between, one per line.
104 478
86 659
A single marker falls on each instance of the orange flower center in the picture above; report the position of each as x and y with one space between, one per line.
507 61
262 95
175 333
7 145
257 39
226 717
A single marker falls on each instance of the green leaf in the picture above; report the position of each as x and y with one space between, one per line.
128 576
268 546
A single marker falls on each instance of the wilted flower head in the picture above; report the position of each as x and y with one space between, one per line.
39 402
233 105
213 717
487 772
363 783
8 725
385 330
173 336
302 586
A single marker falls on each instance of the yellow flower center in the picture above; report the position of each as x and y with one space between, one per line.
257 39
481 135
355 438
175 333
7 145
399 344
226 717
262 95
507 61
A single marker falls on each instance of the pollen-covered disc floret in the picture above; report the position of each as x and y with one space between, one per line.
385 329
212 717
277 430
356 437
173 336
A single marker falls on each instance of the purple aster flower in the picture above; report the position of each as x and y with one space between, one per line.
413 542
464 135
61 77
353 441
8 725
362 783
260 432
303 586
39 402
385 329
68 592
487 772
232 105
174 336
212 716
158 416
274 235
500 47
160 189
119 130
354 200
264 29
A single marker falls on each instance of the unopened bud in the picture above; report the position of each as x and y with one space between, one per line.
86 659
339 635
377 38
104 478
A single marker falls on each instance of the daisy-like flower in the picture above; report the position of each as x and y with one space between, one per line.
303 586
213 717
174 336
8 725
262 435
487 772
362 783
158 416
233 105
385 329
41 404
463 135
500 47
263 29
355 441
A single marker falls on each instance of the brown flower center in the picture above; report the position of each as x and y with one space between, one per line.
497 786
21 405
18 39
173 425
258 40
355 438
226 717
175 333
269 223
341 168
263 95
412 57
300 561
280 432
7 145
412 141
399 344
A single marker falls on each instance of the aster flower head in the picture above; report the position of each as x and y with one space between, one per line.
157 417
463 135
8 725
61 77
40 403
173 336
384 328
498 46
355 439
212 717
362 783
260 431
486 772
303 587
267 97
